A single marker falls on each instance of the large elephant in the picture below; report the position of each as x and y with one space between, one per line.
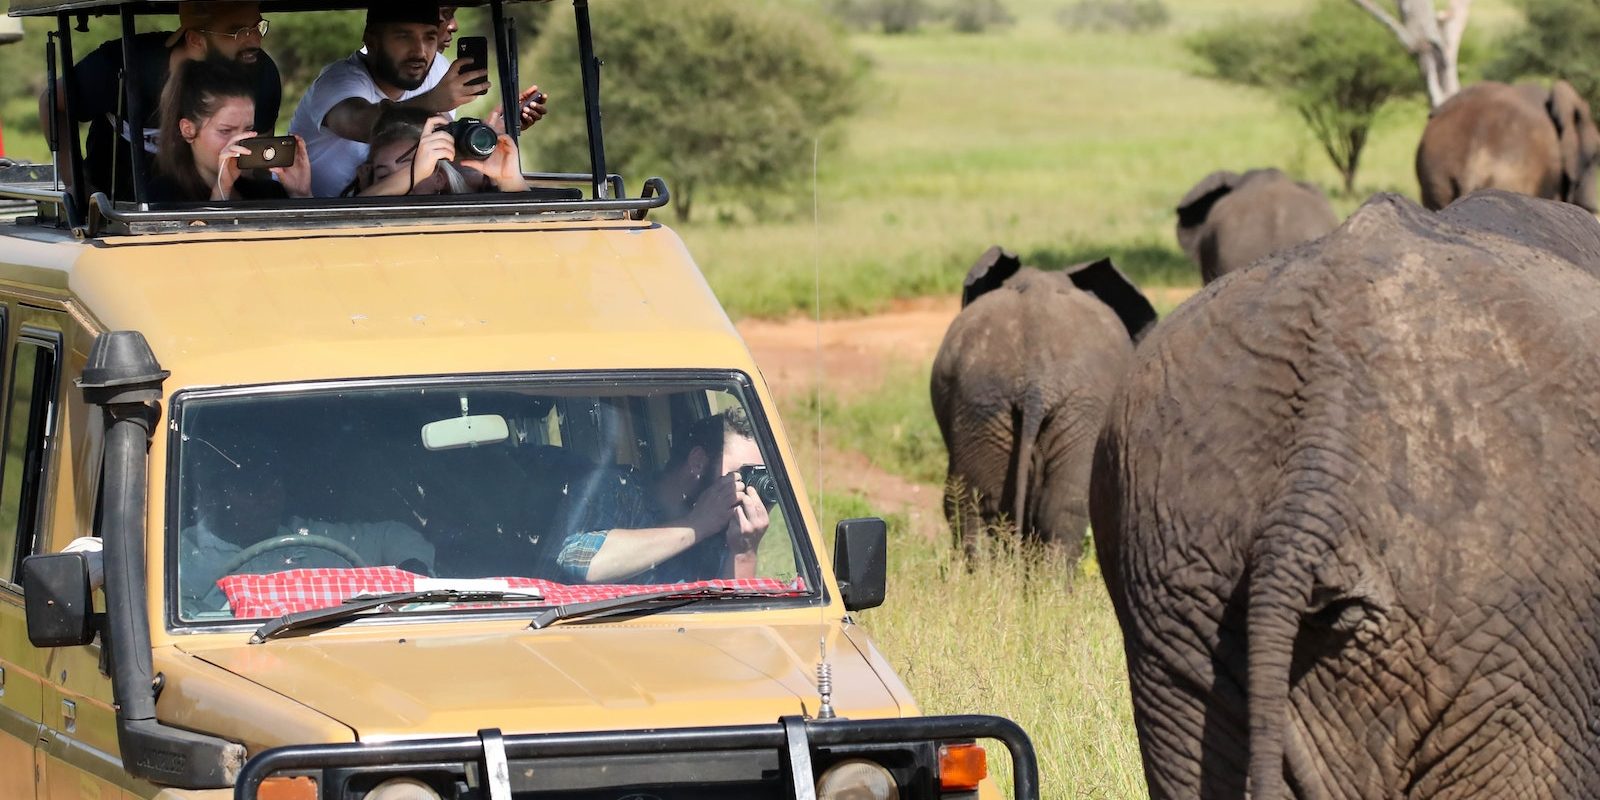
1347 506
1229 221
1020 387
1520 138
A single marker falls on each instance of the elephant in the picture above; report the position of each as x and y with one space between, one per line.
1228 221
1346 508
1520 138
1019 388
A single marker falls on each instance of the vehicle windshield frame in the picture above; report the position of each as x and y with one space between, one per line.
737 382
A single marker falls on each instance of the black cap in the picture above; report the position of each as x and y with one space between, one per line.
385 11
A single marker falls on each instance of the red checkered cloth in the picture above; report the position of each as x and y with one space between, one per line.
279 593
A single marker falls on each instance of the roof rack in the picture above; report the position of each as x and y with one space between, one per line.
106 218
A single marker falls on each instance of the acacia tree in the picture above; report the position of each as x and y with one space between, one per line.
1433 38
1335 68
708 93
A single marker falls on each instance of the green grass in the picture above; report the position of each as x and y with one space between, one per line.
1029 640
1042 140
892 425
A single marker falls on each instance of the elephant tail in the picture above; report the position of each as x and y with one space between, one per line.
1027 435
1277 604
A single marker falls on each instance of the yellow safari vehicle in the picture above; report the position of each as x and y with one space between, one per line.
310 498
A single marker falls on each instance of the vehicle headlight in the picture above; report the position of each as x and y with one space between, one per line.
402 789
857 779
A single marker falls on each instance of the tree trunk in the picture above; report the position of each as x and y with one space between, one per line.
1432 37
683 200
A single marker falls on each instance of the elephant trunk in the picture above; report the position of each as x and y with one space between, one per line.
1022 466
1277 602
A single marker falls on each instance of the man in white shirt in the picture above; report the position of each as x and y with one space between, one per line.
399 63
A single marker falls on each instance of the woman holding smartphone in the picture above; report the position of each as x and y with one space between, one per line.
207 112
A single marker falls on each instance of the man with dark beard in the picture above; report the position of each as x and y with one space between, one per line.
224 30
398 65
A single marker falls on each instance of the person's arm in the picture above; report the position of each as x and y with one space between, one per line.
296 180
624 552
434 147
353 117
503 167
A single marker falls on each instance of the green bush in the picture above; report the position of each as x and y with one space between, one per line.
977 16
1556 41
1335 66
1114 15
708 93
889 16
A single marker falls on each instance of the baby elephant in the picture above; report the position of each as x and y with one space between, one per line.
1228 221
1020 388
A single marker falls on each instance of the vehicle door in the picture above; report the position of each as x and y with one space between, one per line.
21 664
78 750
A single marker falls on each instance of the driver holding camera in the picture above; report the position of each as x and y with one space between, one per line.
699 520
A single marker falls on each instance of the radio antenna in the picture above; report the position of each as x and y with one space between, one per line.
824 669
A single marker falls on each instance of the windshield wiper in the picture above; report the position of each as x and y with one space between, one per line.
384 603
666 598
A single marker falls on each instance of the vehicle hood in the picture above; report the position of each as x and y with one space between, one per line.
569 678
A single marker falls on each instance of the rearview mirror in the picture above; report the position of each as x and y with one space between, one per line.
860 561
58 600
469 431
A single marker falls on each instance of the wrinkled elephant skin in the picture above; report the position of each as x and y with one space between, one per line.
1347 506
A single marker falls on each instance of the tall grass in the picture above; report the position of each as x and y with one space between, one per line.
1023 637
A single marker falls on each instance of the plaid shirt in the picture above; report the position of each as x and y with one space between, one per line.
624 501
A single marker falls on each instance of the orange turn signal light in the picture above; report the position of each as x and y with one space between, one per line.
962 767
285 788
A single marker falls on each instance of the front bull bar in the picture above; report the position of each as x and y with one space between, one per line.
791 736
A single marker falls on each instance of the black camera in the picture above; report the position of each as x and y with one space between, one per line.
766 487
475 140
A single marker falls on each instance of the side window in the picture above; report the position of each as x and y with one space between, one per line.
30 419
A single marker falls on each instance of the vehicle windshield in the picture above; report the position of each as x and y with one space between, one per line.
565 490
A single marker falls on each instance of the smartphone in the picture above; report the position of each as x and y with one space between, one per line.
267 152
476 50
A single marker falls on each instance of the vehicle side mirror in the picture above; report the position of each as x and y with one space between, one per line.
860 561
58 599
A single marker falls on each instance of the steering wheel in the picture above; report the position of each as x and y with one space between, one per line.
289 540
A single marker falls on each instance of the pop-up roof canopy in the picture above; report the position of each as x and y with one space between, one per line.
606 188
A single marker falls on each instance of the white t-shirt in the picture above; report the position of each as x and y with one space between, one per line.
333 158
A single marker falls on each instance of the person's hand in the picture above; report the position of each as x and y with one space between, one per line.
713 510
531 102
453 91
436 145
503 166
750 520
228 166
296 179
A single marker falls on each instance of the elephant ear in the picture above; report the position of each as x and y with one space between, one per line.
1103 280
992 269
1567 111
1196 206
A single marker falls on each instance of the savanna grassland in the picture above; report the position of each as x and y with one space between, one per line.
1063 146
